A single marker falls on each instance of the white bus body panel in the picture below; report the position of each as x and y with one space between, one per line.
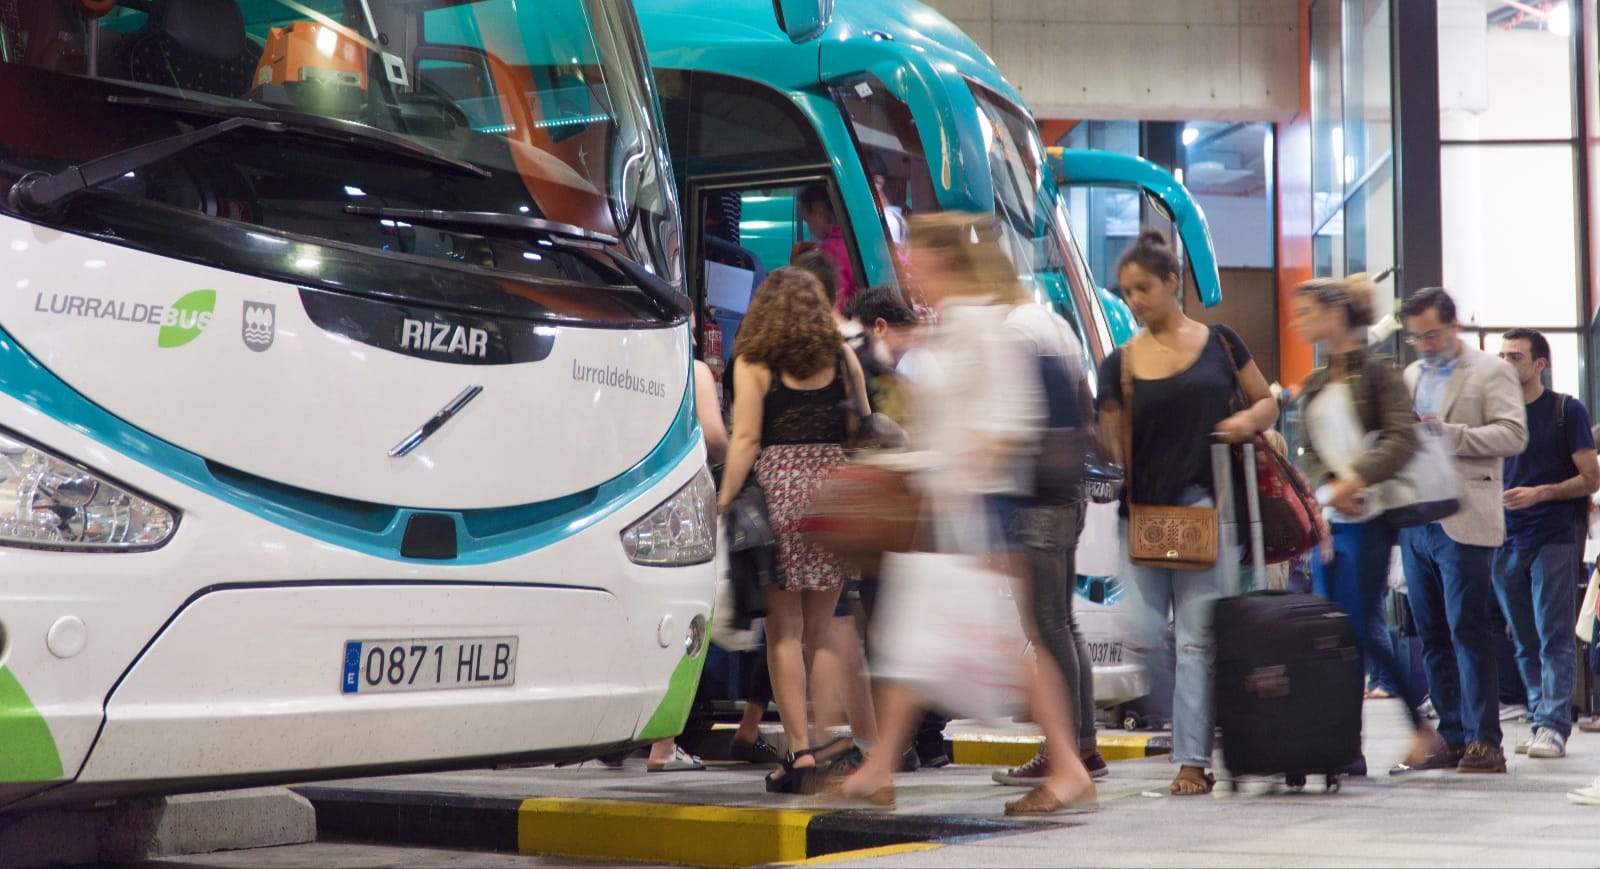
318 411
191 680
589 666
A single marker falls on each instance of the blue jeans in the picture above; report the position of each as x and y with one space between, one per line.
1538 590
1187 596
1355 581
1379 676
1408 652
1450 586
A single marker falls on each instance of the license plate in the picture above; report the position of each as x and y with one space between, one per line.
1105 651
426 665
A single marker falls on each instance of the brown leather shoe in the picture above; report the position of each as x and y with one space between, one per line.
1447 757
1040 801
1483 757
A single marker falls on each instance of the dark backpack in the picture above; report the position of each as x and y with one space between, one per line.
1579 506
1069 469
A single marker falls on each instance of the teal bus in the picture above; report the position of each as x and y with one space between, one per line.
887 109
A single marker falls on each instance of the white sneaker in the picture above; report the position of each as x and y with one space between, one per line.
1522 747
1512 711
1547 744
1589 796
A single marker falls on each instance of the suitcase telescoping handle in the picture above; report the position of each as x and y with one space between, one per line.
1222 466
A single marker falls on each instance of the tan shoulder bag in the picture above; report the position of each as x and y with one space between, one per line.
1180 538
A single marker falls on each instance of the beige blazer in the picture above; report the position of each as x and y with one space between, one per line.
1484 421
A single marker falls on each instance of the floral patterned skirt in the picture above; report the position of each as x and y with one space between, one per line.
789 474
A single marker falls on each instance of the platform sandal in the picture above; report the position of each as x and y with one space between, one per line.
790 779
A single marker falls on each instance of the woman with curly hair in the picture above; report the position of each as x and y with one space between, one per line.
793 384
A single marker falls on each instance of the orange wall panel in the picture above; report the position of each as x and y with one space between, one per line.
1292 164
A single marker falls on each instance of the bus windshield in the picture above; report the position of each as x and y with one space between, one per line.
383 141
1047 258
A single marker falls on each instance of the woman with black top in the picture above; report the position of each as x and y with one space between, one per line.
793 378
1185 376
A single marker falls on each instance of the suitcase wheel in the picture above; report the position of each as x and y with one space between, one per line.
1296 781
1331 784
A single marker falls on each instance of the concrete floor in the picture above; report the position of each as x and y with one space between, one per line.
1427 819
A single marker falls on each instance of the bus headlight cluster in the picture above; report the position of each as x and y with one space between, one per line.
51 503
682 530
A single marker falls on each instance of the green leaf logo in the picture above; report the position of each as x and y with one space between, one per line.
186 318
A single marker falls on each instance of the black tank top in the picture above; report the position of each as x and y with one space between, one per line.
804 416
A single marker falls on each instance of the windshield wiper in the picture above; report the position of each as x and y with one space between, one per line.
334 129
566 237
42 192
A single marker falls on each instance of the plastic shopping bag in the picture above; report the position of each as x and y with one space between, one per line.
947 627
1586 610
1100 546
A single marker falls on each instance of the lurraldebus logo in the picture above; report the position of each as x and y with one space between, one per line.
179 323
187 318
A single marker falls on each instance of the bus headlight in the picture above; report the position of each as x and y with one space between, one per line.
682 530
48 502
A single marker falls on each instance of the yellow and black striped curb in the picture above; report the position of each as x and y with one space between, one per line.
1015 750
630 830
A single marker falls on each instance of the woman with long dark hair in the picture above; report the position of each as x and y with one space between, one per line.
1184 377
793 385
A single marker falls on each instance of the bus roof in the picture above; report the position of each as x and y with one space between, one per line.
742 38
919 55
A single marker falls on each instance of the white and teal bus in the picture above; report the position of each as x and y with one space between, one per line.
885 108
345 401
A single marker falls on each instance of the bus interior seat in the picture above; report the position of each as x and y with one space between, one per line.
194 45
730 253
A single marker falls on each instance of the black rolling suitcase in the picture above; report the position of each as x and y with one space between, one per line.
1288 676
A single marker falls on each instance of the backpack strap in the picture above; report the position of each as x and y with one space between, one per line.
1561 433
1123 362
1571 467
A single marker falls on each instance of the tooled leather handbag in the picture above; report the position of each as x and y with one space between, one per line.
1180 538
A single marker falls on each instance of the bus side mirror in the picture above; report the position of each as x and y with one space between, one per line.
803 20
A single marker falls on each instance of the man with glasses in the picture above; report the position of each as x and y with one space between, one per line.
1478 403
1536 572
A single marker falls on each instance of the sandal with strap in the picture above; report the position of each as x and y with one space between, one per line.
1186 786
790 779
680 761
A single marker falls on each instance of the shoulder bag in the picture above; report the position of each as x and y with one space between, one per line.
1180 538
1428 487
863 509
